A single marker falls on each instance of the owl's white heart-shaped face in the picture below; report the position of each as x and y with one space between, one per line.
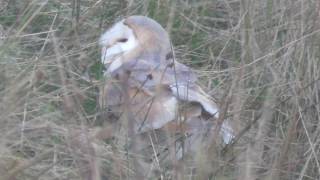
115 42
133 37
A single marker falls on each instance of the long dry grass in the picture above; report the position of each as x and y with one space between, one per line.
259 59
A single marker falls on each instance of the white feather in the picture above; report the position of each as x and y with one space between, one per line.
114 65
185 93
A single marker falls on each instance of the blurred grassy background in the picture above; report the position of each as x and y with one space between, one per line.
260 59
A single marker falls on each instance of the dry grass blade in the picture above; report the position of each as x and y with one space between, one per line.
259 59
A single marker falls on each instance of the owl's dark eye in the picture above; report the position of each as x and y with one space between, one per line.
123 40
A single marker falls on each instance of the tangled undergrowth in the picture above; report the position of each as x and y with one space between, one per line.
259 59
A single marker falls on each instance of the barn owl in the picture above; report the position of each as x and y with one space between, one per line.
138 57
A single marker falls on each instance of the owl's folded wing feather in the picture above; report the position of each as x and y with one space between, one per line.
193 93
177 77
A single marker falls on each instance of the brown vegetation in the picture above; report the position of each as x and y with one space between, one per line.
259 59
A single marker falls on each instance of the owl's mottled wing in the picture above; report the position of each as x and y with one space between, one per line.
178 78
